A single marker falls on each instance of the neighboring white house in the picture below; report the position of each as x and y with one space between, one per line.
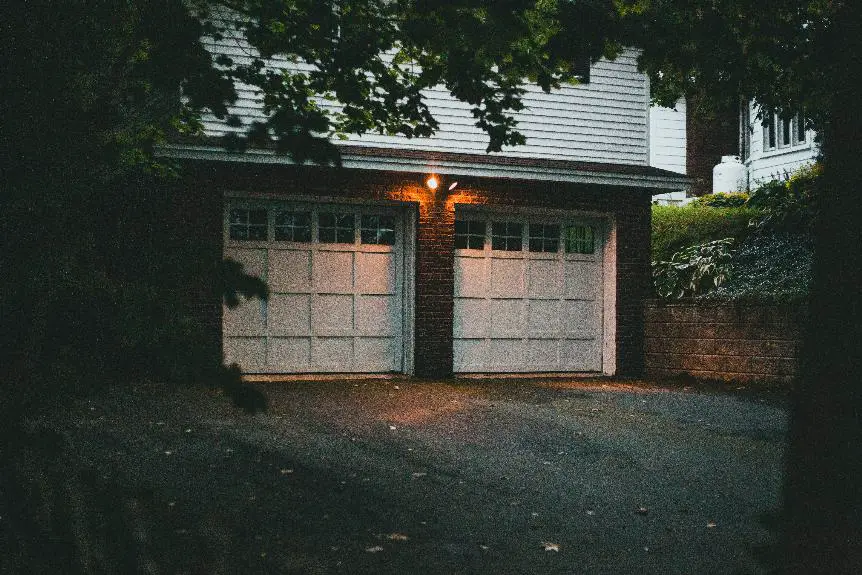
667 146
772 147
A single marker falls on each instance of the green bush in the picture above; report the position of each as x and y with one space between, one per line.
787 206
675 228
721 200
694 270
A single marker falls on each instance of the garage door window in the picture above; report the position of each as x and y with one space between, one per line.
378 230
507 236
544 238
580 240
470 235
293 226
248 225
336 228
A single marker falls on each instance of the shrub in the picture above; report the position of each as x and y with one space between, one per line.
787 206
721 200
675 228
694 270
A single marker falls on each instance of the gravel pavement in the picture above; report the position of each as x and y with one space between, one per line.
405 476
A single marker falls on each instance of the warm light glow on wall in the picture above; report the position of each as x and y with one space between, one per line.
432 182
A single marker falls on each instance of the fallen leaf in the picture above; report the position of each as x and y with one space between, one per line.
397 537
396 387
548 546
285 471
590 512
642 511
375 549
710 525
169 452
419 474
392 427
483 547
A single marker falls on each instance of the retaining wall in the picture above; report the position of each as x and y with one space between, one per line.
730 342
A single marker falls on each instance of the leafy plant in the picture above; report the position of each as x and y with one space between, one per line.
694 270
787 206
721 200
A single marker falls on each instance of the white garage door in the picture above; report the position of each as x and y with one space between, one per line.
335 275
528 294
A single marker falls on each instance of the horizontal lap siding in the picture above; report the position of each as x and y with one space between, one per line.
602 121
667 137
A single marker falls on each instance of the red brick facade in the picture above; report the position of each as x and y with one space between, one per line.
201 194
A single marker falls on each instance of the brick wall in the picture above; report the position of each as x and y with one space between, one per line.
205 184
731 342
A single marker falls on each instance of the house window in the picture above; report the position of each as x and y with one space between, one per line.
580 240
293 226
779 133
544 238
799 132
470 235
378 230
769 138
248 225
507 236
336 228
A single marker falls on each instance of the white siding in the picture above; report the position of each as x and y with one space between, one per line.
775 164
603 121
667 137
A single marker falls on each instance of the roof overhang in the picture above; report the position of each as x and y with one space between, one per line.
455 164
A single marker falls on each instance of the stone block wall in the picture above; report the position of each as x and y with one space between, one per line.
729 342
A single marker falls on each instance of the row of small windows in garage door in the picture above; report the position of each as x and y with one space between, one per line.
298 226
334 227
511 236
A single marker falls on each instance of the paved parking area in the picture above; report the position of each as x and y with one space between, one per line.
402 476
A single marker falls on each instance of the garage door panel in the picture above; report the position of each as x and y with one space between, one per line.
376 315
289 314
332 354
289 271
332 314
579 318
582 280
507 277
544 318
248 352
508 318
375 273
525 311
248 318
253 260
471 318
333 271
375 354
469 355
544 279
471 277
580 355
333 307
289 354
507 354
543 354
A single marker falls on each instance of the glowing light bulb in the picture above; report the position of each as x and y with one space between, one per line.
432 182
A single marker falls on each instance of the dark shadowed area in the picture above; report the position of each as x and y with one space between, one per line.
400 476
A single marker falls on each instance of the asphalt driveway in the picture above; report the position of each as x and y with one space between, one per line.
399 476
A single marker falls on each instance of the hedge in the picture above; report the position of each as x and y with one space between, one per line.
675 227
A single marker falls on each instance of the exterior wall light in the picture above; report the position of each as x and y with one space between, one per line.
432 182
